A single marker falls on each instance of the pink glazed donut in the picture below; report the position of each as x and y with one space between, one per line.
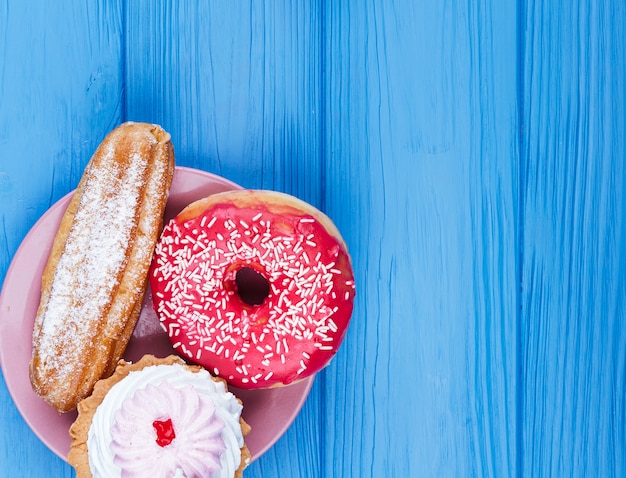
256 286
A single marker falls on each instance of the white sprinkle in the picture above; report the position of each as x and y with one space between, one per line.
300 290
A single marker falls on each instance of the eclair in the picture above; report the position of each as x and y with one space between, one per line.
95 279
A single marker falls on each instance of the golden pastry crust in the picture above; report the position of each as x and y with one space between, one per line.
78 456
281 203
94 281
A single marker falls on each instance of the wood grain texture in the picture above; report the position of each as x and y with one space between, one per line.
237 84
60 93
574 256
421 174
471 153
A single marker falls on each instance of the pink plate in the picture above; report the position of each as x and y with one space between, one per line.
269 412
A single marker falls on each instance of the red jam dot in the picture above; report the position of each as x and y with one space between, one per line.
165 432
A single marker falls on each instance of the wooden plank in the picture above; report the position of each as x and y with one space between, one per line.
60 93
238 86
401 120
574 209
421 173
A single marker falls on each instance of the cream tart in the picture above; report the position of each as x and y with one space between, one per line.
159 418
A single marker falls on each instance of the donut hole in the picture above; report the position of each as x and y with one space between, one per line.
252 287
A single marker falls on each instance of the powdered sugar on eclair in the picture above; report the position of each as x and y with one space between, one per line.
88 272
94 281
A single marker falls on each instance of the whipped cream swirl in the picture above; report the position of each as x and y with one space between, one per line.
122 440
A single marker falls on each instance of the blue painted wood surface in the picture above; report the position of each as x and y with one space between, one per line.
472 154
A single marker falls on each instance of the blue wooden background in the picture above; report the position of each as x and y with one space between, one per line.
472 154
